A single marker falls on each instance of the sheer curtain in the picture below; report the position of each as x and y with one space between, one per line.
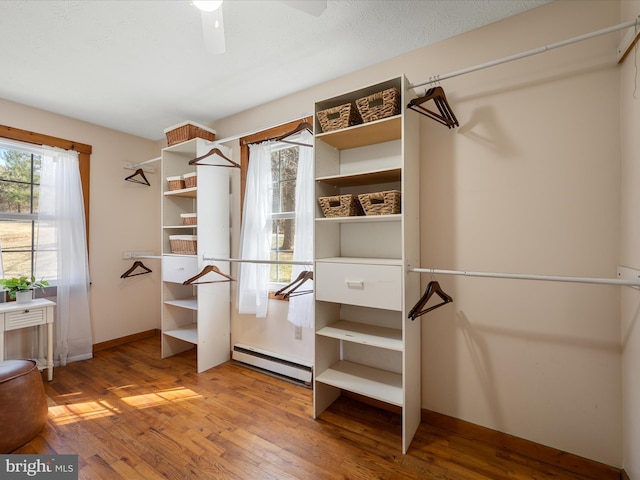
62 252
301 306
255 236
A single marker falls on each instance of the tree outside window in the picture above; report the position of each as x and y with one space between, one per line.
19 184
284 169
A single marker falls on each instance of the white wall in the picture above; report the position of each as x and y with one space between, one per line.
124 216
529 183
630 254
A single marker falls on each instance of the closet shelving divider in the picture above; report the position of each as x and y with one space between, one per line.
195 315
364 342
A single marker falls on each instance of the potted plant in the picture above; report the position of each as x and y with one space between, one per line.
20 288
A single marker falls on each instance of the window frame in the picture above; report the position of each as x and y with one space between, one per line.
84 157
259 137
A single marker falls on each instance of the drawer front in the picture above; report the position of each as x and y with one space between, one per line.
377 286
178 269
24 318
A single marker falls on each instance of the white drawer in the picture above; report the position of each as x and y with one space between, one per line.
178 269
377 286
24 318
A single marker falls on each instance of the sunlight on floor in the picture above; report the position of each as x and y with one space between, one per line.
75 412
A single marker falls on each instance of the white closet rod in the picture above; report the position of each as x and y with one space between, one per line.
519 276
269 262
139 164
528 53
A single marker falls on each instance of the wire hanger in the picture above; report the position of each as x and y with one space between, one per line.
139 172
291 290
445 117
432 288
208 269
301 127
213 151
136 264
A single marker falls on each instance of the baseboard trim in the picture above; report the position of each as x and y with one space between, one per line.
116 342
509 443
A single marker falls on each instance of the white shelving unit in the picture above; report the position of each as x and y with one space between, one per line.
364 341
195 315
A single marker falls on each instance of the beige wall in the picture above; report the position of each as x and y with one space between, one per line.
630 253
529 183
124 216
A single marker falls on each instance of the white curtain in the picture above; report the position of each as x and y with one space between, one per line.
62 252
301 306
255 236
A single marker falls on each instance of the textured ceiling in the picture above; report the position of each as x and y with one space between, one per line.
140 66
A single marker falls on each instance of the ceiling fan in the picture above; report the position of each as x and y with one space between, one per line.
213 24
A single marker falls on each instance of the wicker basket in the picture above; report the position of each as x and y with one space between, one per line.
190 180
340 206
187 131
189 218
335 118
379 105
183 244
175 183
380 203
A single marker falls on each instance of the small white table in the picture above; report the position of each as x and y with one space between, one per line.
37 313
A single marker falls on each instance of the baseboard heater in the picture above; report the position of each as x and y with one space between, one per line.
281 366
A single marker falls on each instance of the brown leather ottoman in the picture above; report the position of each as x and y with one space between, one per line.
23 403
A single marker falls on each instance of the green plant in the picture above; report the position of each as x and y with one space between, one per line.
17 284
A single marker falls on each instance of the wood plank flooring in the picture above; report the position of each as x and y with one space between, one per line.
130 415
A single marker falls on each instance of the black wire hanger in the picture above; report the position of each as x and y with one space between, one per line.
291 290
214 151
208 269
136 264
301 127
432 288
134 177
436 94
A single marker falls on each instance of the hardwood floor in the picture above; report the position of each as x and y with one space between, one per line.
127 414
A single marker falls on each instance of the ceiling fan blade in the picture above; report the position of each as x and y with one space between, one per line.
213 31
312 7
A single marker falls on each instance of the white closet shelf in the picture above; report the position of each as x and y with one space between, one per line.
361 260
364 178
183 192
370 133
370 382
179 226
362 219
365 334
190 303
187 334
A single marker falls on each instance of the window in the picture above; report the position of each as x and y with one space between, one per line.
19 180
284 168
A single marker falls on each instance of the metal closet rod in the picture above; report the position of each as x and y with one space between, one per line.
519 276
528 53
269 262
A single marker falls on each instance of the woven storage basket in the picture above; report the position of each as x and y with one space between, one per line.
187 131
340 206
190 180
175 183
189 218
335 118
379 105
183 244
380 203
